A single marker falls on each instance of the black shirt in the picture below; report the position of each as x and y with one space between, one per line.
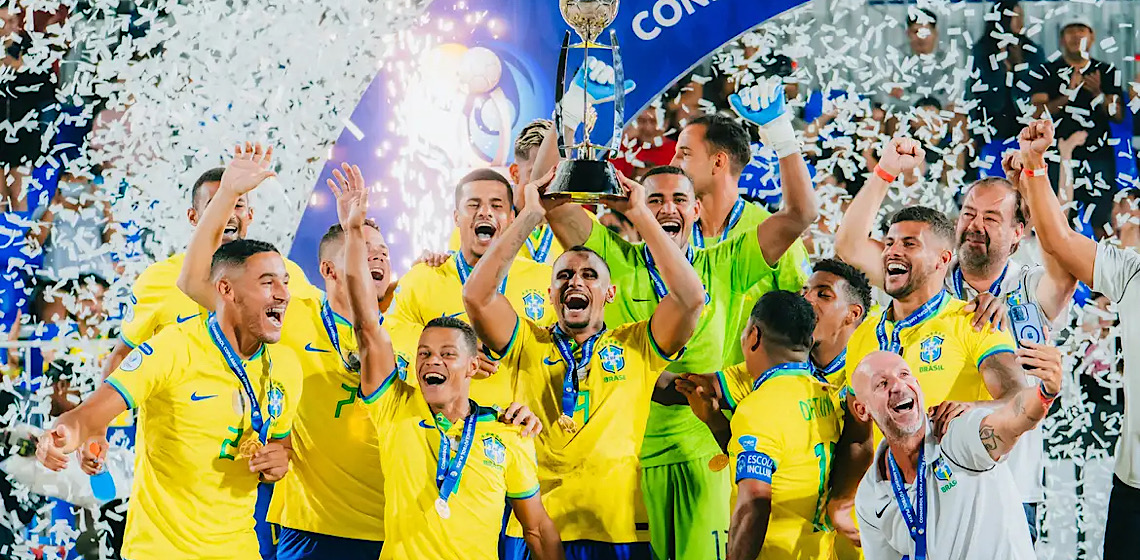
1079 113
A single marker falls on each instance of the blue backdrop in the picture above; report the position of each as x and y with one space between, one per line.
506 52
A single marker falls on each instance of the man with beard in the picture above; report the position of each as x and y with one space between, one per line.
483 211
945 495
1115 272
989 230
216 401
590 381
686 502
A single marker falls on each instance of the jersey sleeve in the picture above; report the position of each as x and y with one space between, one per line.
287 368
1114 271
963 446
149 368
142 317
741 257
526 336
873 542
794 268
985 344
735 384
758 437
622 257
387 403
640 335
522 468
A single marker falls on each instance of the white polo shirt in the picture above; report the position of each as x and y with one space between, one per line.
974 509
1116 274
1027 460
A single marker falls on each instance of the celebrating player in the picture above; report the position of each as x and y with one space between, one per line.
945 495
447 479
784 434
318 518
686 501
1114 272
216 400
592 382
482 213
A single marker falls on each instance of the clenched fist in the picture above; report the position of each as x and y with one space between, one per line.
901 154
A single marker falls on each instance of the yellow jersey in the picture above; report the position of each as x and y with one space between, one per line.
942 349
784 433
591 477
500 465
425 293
156 302
336 485
193 493
541 246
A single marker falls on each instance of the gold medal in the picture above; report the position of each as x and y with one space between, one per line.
442 508
718 463
567 424
249 447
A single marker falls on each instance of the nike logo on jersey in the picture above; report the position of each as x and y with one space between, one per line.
196 397
452 315
548 362
309 348
879 514
182 319
424 424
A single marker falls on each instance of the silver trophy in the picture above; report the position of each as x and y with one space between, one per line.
588 176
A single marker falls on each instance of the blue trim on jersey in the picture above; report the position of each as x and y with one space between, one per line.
123 392
656 348
384 386
127 341
514 335
720 378
524 495
1000 349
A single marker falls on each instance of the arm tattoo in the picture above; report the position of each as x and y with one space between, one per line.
1019 403
990 439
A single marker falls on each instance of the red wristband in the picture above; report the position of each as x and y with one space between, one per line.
882 173
1039 172
1045 397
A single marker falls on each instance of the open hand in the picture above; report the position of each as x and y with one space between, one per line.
988 308
700 393
634 199
351 196
250 166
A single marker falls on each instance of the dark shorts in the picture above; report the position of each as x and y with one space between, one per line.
584 550
303 545
266 531
1122 533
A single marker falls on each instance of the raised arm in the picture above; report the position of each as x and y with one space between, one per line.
1003 377
676 316
248 169
763 104
853 242
1075 252
492 316
377 359
1000 430
570 223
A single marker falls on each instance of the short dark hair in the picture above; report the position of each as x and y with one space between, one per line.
916 15
484 174
666 170
785 319
210 176
589 251
928 101
938 222
728 136
333 236
470 341
858 288
1019 212
235 253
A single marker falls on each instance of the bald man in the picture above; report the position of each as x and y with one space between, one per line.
966 504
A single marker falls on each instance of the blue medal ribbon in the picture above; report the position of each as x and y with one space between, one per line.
659 286
464 270
924 312
733 218
538 254
959 283
914 515
791 367
835 365
334 337
256 421
448 469
574 367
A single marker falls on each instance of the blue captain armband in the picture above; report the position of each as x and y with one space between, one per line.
756 466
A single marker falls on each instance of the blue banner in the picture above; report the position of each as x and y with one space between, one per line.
466 81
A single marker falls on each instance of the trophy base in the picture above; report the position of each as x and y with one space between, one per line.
585 181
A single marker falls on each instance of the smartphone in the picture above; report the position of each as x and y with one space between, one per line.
1026 321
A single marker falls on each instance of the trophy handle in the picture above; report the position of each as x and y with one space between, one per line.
619 98
559 91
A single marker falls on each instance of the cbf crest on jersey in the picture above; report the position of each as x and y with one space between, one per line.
612 357
534 304
402 367
276 400
944 475
931 348
494 449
